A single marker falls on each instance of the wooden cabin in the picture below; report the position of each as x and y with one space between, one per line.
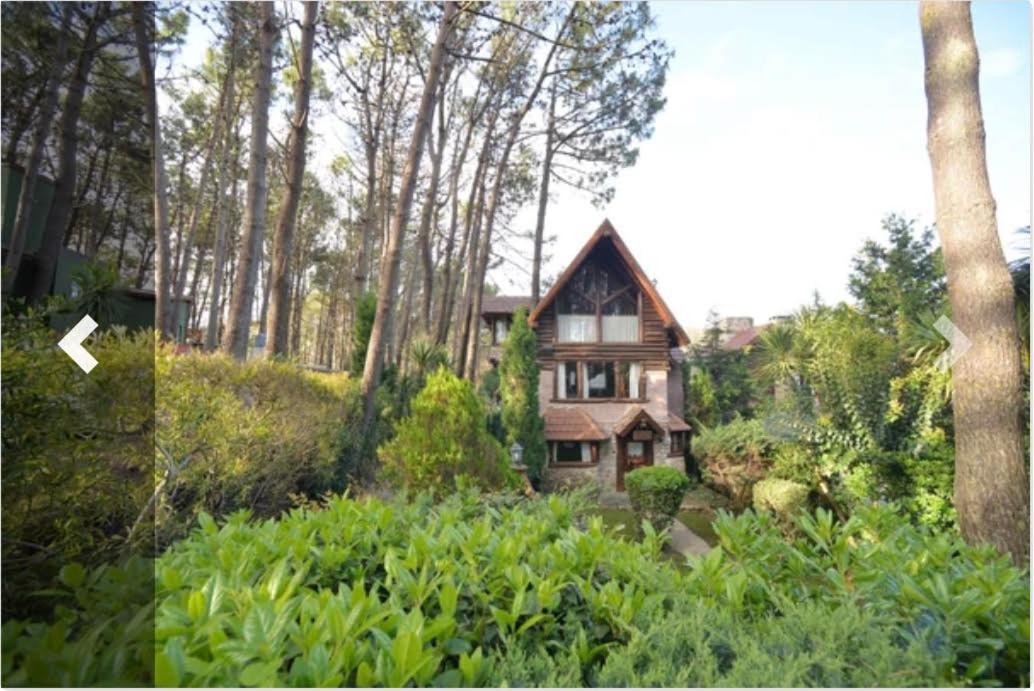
610 385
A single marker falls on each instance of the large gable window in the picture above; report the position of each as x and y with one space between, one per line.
596 306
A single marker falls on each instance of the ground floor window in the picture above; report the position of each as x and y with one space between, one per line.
567 452
678 443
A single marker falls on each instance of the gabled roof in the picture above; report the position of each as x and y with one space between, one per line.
571 424
744 337
504 304
677 424
632 417
606 230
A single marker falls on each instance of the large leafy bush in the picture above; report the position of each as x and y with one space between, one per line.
967 606
784 498
246 435
78 452
502 591
733 457
368 593
656 493
443 438
808 645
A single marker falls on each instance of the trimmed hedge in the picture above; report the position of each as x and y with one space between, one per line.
656 493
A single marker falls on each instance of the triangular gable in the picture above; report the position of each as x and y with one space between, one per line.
632 417
606 230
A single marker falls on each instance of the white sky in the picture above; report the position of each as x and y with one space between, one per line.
791 129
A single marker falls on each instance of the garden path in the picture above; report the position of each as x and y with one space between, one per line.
685 541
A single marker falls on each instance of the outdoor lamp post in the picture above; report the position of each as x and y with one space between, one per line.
516 456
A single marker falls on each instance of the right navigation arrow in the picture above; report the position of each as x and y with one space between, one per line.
958 343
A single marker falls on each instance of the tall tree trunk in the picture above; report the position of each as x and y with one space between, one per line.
540 221
238 326
64 188
143 21
223 200
80 199
277 326
493 206
405 313
426 213
991 485
25 117
392 249
27 193
469 277
183 258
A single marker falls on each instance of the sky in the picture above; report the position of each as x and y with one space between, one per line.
791 129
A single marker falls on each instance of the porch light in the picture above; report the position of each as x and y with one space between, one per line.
516 454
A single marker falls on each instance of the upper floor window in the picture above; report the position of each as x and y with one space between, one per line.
599 377
601 380
598 306
501 330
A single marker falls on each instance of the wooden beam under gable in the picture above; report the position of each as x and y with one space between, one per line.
606 230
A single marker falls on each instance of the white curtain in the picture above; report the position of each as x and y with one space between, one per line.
561 380
586 453
633 380
576 328
620 329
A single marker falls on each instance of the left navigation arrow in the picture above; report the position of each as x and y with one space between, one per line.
72 343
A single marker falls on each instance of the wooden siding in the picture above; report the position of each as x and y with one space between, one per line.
653 351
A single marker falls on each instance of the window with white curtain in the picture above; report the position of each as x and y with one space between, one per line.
576 328
620 329
634 372
567 380
598 305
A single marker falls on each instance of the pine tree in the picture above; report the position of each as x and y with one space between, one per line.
519 374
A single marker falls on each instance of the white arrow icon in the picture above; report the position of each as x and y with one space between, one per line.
72 343
958 343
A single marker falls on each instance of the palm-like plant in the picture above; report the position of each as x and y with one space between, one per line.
780 355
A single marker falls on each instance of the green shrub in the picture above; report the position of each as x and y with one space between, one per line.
656 493
78 453
369 593
968 606
784 498
246 435
807 646
444 438
733 457
503 591
923 483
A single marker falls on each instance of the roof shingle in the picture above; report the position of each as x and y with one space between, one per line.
504 304
571 424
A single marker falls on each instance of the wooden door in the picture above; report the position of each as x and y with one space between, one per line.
632 454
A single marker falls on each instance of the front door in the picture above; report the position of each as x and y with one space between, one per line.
632 454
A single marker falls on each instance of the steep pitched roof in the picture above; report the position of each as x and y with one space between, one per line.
504 304
632 417
571 424
606 230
